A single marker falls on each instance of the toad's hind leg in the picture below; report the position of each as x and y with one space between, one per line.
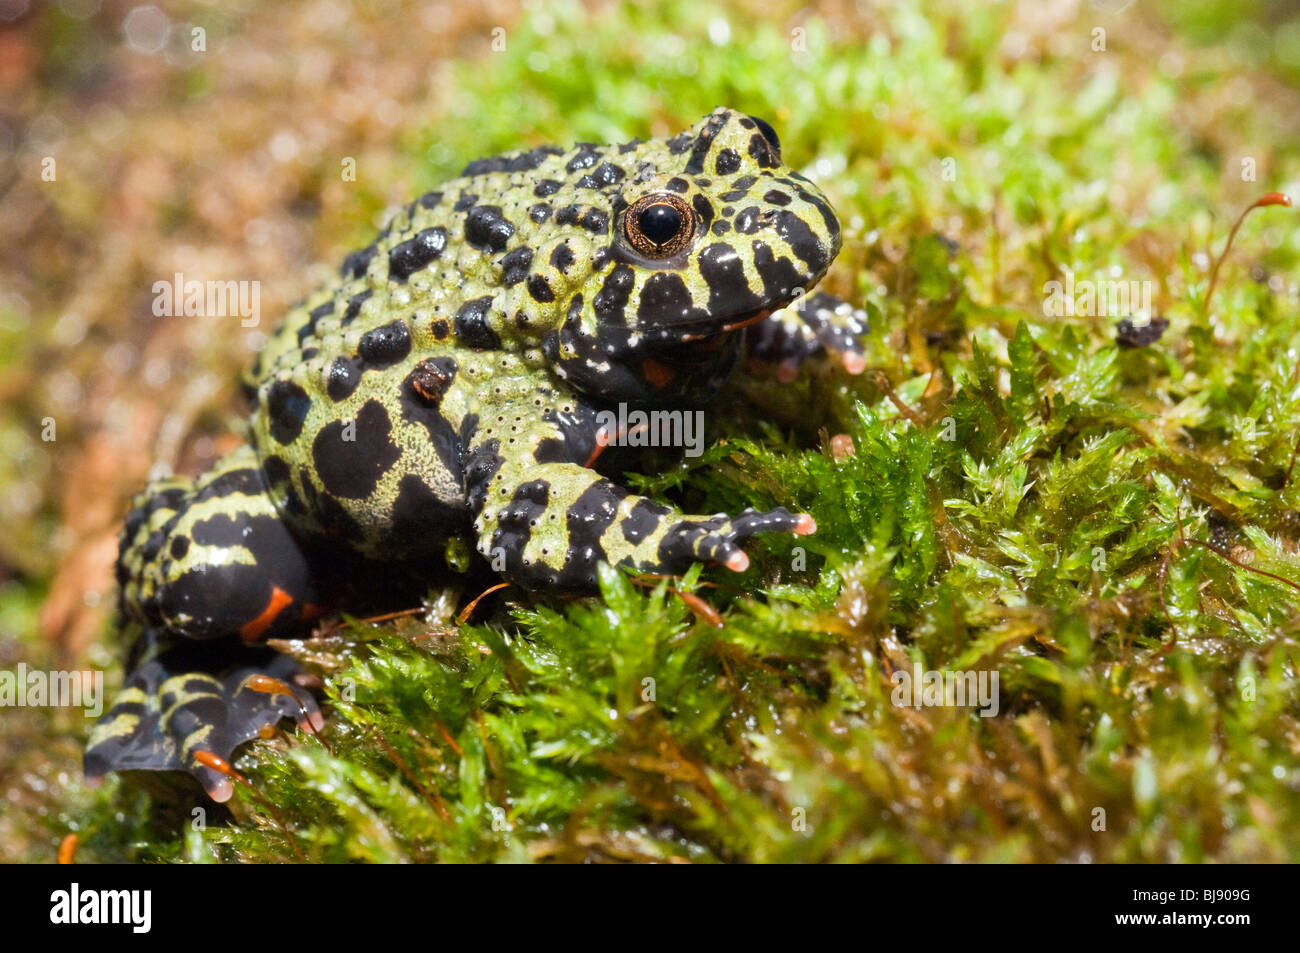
206 566
185 696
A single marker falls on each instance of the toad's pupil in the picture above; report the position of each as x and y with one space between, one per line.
660 223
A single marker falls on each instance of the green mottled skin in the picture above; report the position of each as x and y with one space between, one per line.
444 388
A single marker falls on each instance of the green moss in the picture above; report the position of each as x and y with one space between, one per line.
1110 530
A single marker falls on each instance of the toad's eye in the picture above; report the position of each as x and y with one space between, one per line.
659 225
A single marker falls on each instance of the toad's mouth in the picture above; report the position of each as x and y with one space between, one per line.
636 339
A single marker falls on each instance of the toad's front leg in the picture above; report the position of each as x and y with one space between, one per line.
546 525
814 328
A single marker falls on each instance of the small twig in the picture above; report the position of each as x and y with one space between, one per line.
903 408
430 794
1272 198
469 609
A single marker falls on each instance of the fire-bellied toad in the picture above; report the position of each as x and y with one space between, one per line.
446 387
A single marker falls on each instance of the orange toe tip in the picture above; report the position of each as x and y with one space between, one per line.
221 791
806 525
855 363
737 562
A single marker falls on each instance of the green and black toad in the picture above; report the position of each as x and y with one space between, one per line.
445 388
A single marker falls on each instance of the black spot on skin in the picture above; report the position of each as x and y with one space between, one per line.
828 216
762 153
471 324
344 376
575 311
309 353
805 245
779 276
744 183
308 328
703 143
769 134
643 520
385 346
408 257
540 289
721 227
245 481
180 546
584 216
481 465
429 200
734 196
776 197
625 147
587 520
337 521
487 229
522 162
585 156
678 185
275 470
358 262
440 328
515 264
467 200
515 520
611 299
352 469
607 174
679 143
703 210
546 188
749 220
430 378
354 307
539 213
665 299
728 161
561 258
421 521
286 407
724 273
551 450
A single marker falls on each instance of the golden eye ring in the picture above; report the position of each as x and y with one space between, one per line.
659 225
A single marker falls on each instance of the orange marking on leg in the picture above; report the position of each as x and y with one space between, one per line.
656 373
746 322
252 631
67 849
